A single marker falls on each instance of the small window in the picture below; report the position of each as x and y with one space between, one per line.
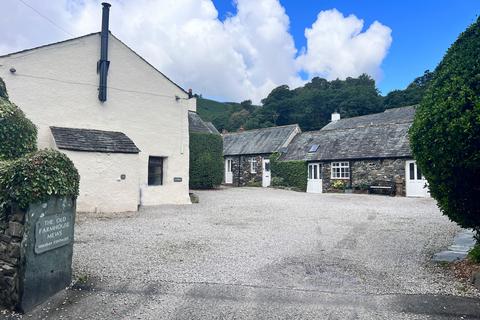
155 171
340 170
229 165
310 175
411 167
253 165
313 148
267 166
419 174
315 171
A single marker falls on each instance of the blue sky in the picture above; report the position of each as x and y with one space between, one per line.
422 30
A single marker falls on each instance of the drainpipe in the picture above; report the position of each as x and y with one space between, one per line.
239 171
103 63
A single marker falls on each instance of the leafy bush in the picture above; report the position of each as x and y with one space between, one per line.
445 135
36 177
206 160
339 184
18 134
254 183
277 182
292 173
474 254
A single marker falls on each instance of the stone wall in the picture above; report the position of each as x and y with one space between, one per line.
364 173
11 235
241 170
36 248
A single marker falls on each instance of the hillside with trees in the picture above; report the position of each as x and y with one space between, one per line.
312 105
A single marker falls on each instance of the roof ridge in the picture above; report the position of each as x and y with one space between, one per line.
363 126
258 129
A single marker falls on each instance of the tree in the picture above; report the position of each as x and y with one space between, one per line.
412 95
445 135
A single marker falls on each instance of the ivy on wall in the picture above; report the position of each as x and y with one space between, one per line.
206 160
18 134
26 175
292 174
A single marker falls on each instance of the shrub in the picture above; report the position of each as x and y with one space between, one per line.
254 183
18 134
36 177
292 173
339 184
474 254
445 135
206 160
277 182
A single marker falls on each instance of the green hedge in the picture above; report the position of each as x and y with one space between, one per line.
445 136
36 177
291 174
18 135
206 160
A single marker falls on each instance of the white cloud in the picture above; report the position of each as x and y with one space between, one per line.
243 57
337 47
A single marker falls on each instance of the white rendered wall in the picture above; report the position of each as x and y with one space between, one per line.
101 186
57 85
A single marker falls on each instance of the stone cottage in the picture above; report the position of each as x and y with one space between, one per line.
122 122
370 152
247 153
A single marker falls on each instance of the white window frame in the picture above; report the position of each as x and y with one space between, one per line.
253 165
340 170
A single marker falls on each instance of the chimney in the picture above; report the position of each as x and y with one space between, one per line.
335 116
103 63
190 93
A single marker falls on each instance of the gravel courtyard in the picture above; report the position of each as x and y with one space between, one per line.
253 253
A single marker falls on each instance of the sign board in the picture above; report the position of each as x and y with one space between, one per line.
53 231
177 179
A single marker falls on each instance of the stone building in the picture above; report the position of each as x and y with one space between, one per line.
123 123
363 153
247 153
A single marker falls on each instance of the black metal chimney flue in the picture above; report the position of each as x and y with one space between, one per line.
103 63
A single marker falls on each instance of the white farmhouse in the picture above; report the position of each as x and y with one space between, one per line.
122 122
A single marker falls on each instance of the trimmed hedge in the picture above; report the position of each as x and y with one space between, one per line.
206 160
18 135
36 177
445 136
291 174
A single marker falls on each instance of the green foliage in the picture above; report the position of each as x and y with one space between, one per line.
36 177
290 173
18 135
474 254
254 183
445 136
412 95
311 106
206 160
225 115
339 184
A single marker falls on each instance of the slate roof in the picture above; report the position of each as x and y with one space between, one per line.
396 115
93 140
382 135
258 141
196 124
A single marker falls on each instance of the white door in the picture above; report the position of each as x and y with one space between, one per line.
314 182
415 182
266 174
228 170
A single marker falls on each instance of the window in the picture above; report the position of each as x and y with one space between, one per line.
229 165
155 171
412 170
340 170
314 171
253 165
313 148
267 166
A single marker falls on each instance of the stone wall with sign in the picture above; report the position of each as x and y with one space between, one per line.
36 248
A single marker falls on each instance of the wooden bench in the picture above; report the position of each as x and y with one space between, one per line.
390 190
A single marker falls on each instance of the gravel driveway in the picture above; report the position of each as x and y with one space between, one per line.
253 253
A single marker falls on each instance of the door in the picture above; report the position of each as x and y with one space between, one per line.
415 183
228 170
266 174
314 182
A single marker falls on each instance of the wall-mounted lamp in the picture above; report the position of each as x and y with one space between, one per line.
177 98
13 70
